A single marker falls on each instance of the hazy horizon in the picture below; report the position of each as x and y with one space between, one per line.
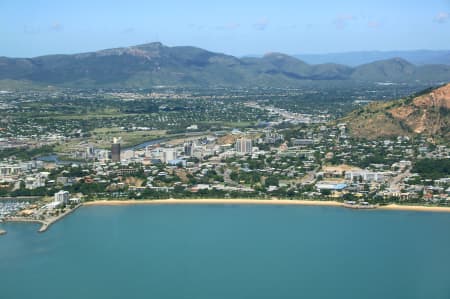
235 28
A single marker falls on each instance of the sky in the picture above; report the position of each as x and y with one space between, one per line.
31 28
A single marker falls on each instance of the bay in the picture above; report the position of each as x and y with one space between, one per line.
228 251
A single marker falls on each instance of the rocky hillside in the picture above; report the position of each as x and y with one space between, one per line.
427 113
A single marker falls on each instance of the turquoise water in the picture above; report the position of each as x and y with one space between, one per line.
229 252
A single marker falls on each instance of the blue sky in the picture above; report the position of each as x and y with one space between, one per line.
32 28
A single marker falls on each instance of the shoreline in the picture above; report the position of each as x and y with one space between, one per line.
327 203
45 224
209 201
397 207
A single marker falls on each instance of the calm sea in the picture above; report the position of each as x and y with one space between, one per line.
229 252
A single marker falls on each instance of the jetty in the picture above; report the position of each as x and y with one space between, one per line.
45 224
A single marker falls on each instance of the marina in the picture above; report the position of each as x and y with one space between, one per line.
10 207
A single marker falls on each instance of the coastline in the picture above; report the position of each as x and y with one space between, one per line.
45 224
208 201
396 207
328 203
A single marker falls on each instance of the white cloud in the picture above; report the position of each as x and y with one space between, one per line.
229 26
31 30
373 24
57 26
342 21
261 24
196 26
441 17
128 30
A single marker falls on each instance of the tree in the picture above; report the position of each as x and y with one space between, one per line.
325 192
272 181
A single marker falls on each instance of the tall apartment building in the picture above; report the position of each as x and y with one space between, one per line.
115 150
243 146
62 197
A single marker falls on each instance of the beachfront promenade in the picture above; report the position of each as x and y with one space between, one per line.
45 224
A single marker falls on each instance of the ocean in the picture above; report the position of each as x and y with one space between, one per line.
228 251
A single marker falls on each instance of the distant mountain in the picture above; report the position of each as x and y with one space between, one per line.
417 57
426 113
155 64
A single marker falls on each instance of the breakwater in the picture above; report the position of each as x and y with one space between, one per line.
46 223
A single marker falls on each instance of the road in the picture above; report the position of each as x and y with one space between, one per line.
396 181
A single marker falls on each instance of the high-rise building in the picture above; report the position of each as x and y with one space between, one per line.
115 150
62 197
169 154
188 149
243 146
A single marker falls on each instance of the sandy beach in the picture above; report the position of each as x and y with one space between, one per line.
216 201
395 207
392 207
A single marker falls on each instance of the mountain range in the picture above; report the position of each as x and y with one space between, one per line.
417 57
156 64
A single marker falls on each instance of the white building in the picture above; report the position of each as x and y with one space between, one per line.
243 146
62 197
102 155
169 154
36 181
365 176
10 170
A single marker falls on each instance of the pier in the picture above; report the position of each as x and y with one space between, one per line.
45 224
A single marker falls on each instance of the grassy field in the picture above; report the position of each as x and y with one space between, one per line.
106 114
102 138
241 124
